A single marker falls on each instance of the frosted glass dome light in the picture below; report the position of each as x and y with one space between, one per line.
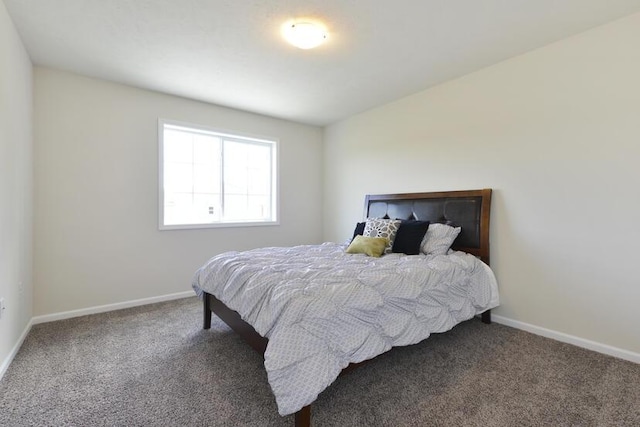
304 35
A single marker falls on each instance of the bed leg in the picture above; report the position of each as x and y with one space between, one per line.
206 304
486 317
303 417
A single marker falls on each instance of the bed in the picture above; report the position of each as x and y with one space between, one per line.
326 312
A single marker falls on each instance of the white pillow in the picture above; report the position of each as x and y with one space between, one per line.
387 228
439 239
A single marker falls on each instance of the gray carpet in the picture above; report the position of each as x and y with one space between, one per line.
154 365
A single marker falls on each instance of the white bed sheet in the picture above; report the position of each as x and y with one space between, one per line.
322 309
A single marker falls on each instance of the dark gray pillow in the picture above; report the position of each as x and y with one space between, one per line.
359 229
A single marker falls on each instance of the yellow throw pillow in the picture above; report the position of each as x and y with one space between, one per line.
372 246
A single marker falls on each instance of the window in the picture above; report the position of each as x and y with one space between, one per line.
210 178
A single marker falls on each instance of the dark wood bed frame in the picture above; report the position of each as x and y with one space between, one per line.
468 209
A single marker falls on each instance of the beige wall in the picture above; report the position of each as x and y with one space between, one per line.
556 134
16 183
96 163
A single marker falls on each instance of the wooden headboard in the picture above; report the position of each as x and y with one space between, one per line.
469 209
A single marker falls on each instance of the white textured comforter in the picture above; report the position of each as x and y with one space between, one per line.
323 309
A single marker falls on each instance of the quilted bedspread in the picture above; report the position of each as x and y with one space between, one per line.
323 309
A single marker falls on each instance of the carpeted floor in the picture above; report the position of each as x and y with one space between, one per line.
155 366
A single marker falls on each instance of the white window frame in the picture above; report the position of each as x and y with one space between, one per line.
275 187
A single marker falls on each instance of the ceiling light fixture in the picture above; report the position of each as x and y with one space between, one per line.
304 34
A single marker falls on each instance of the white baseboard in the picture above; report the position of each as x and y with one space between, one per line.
7 361
83 312
109 307
548 333
569 339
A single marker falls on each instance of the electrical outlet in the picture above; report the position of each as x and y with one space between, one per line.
2 307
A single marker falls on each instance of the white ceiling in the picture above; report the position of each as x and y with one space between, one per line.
230 52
